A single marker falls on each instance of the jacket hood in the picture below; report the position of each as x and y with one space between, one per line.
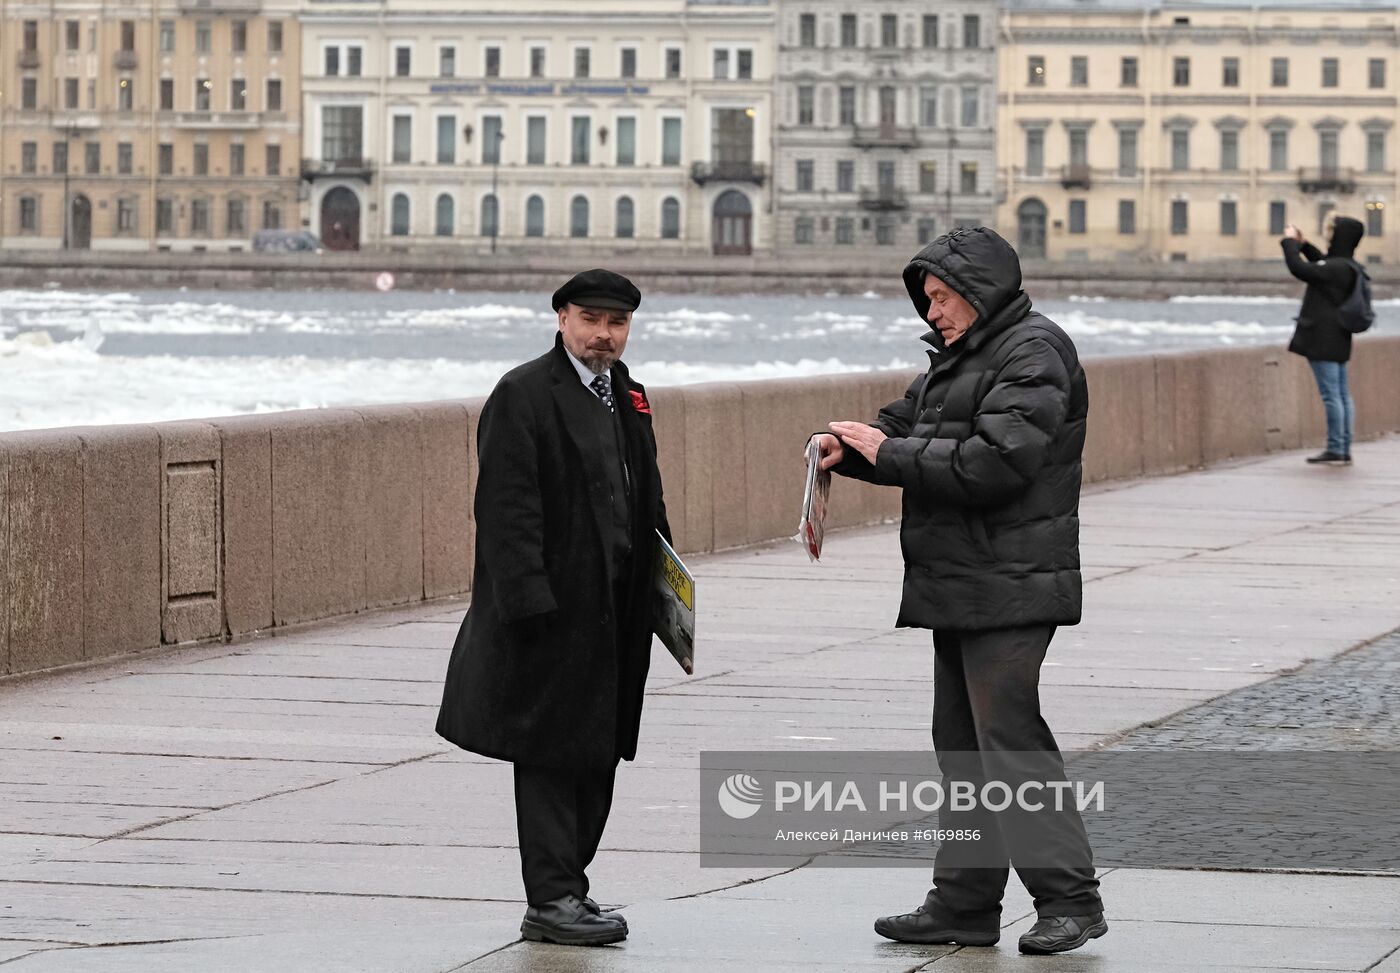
975 262
1346 235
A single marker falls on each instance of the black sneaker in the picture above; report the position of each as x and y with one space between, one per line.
1059 934
1329 458
934 924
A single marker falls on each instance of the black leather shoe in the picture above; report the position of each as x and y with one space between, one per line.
1058 934
568 922
933 923
1329 458
597 910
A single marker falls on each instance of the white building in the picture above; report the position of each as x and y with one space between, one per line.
630 123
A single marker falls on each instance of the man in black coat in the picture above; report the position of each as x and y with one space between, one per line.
1319 336
986 447
550 664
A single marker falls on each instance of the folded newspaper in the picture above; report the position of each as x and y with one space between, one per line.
674 620
812 528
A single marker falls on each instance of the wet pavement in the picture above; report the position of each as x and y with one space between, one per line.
282 803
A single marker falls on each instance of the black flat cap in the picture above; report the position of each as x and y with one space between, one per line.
599 288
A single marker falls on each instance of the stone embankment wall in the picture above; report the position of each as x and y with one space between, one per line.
126 538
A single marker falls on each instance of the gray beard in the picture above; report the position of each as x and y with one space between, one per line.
599 365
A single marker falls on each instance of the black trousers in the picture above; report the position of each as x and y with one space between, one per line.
986 702
559 816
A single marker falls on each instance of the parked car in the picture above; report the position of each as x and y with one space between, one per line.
287 241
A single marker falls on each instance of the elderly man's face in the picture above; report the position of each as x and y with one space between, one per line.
595 336
947 311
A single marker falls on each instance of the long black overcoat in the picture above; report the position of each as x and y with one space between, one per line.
543 670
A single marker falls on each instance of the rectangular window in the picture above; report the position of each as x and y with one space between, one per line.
537 56
627 141
673 63
332 62
928 177
1229 150
126 216
29 93
273 98
125 94
930 30
29 157
234 224
845 176
201 159
721 63
1181 71
846 105
804 176
1375 220
199 216
1127 216
60 157
72 35
848 30
128 35
1375 151
29 214
271 215
403 61
353 58
583 57
447 62
403 139
1079 71
670 141
1278 150
1035 151
802 230
970 104
744 63
92 158
628 67
845 231
926 231
889 30
1035 71
238 95
1181 149
1179 217
1330 71
968 178
535 135
203 32
1229 218
238 35
92 93
272 160
1278 217
70 93
1375 72
167 94
491 132
580 143
972 31
202 89
928 107
1327 150
167 36
165 215
274 37
884 232
1278 72
166 159
491 66
806 104
1127 151
447 140
237 159
1078 217
807 30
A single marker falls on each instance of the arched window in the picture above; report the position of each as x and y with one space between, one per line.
490 213
398 224
534 216
578 217
446 211
670 218
626 224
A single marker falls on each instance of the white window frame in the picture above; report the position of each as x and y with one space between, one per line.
394 114
438 115
500 47
343 45
393 72
661 118
636 140
661 71
573 67
530 45
525 140
636 48
456 64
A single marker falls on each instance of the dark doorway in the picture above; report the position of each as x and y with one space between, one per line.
340 219
733 224
80 225
1030 230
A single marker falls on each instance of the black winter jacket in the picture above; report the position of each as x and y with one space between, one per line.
1319 335
987 448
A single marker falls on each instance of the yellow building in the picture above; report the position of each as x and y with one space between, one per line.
1194 131
169 125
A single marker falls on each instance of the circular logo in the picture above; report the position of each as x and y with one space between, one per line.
740 796
385 281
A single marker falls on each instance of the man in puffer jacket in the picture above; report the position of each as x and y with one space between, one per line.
986 447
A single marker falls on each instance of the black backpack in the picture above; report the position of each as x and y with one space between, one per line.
1355 313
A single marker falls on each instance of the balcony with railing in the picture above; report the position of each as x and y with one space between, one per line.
729 171
76 121
312 169
883 198
29 60
220 6
884 136
1076 175
1327 179
214 119
124 61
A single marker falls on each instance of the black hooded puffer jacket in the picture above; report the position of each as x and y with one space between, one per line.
1319 335
987 447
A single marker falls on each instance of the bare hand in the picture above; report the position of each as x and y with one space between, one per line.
830 450
864 439
1293 233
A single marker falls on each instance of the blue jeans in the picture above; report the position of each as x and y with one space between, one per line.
1336 400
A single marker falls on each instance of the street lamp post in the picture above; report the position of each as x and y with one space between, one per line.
496 199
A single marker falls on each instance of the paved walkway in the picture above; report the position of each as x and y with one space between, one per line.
282 804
